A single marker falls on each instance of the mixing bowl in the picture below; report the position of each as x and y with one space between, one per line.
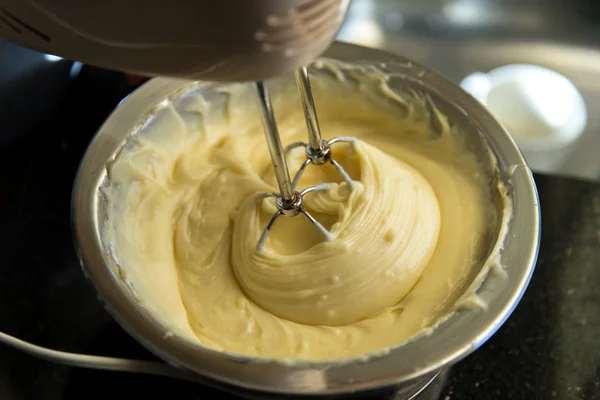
405 370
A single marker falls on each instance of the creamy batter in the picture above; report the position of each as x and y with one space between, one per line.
186 213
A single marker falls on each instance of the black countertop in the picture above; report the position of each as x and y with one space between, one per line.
548 349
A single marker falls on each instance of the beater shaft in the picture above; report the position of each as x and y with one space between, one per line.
282 173
308 105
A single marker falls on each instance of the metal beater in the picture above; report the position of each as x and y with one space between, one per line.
289 201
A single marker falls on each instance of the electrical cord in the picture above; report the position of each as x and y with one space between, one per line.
89 361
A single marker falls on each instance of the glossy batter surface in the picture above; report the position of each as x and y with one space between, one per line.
186 214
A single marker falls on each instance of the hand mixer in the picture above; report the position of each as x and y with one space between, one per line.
224 40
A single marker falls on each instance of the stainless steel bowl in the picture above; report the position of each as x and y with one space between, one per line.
406 369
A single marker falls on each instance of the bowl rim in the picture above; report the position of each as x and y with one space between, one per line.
400 365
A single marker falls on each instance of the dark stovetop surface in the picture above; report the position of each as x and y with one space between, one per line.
549 348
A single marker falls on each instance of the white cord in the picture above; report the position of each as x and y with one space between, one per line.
88 361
